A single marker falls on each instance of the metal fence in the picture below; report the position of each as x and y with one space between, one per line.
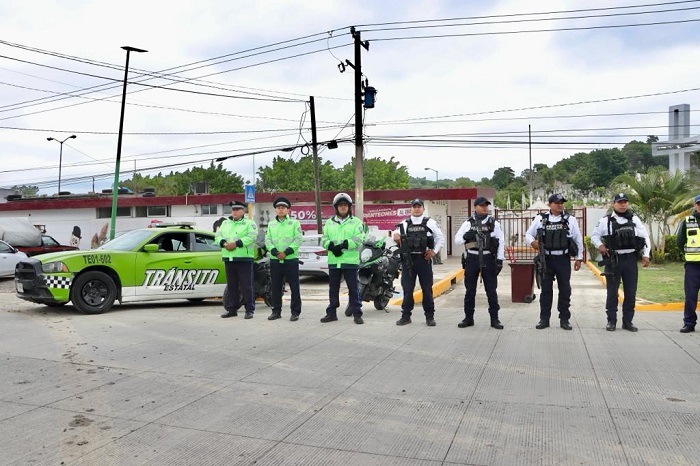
515 224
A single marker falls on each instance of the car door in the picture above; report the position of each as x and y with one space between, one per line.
208 258
9 257
169 272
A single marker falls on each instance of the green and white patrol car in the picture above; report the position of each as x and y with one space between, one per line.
141 265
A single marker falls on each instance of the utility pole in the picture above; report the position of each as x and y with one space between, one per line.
317 178
359 164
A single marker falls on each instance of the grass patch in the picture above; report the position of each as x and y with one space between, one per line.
661 283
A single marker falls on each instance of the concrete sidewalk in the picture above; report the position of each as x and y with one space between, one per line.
172 383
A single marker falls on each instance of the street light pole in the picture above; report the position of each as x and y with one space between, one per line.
60 157
436 176
115 188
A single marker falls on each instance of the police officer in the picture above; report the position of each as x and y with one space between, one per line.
343 234
423 240
619 236
558 234
688 241
236 236
483 241
283 239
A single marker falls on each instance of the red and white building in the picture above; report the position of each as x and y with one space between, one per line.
83 220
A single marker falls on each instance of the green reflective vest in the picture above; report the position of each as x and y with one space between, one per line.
282 235
243 232
337 230
692 239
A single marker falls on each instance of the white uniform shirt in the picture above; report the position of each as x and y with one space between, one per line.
574 232
497 233
604 228
434 227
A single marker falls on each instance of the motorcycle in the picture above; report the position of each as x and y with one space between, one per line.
379 267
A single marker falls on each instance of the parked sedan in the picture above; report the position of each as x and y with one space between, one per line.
140 265
48 244
9 257
313 258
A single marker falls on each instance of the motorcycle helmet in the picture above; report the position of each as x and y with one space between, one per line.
342 197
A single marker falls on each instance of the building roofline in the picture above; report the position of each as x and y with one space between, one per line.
132 200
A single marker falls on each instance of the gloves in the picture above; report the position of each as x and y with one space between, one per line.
499 266
469 236
337 249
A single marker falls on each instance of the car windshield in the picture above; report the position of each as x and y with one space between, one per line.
128 241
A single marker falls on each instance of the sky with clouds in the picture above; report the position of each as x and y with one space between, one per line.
458 82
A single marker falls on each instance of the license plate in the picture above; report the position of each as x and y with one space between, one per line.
20 288
303 255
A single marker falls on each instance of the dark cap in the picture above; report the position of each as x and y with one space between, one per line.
418 202
482 201
281 201
697 198
557 198
620 197
237 205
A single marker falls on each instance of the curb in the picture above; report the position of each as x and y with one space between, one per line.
439 287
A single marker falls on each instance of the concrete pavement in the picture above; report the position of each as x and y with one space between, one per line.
172 383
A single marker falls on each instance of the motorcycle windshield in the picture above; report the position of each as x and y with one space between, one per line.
369 252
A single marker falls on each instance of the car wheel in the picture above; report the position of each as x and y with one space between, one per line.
225 297
380 302
93 292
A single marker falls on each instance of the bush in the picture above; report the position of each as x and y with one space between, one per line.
673 254
590 249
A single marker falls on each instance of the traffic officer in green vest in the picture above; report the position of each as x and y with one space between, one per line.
236 236
688 241
283 239
620 237
343 234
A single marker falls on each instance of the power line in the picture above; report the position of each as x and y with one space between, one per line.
529 20
528 14
527 31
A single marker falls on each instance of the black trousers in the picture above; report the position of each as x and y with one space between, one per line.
423 269
559 267
239 285
471 277
350 277
628 273
287 269
691 284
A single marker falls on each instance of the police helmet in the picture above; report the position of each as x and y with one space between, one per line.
342 197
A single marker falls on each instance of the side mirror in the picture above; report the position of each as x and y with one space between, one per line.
150 248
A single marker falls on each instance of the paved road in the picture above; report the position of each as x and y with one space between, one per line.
172 383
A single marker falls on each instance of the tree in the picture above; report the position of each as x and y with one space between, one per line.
639 155
657 196
219 179
502 177
288 175
25 189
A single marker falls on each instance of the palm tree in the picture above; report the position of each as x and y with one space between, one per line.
657 196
